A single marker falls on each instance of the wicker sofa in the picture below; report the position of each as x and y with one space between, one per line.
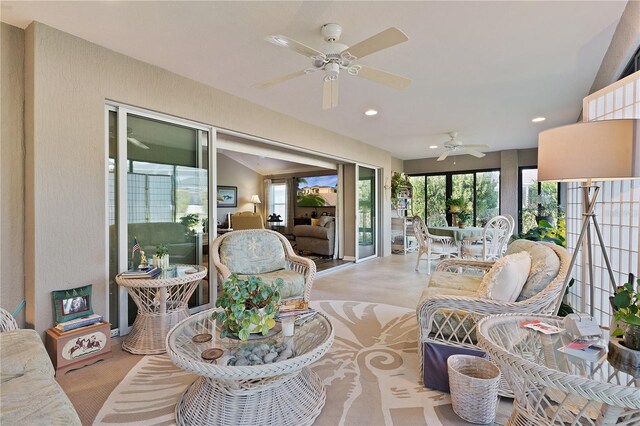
450 308
29 394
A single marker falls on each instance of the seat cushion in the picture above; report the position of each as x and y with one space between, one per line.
252 253
21 352
311 231
437 248
545 265
507 276
453 281
35 399
293 286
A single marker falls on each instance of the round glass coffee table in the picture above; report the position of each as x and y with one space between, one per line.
551 387
282 391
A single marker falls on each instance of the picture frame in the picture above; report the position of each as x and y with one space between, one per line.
227 196
73 303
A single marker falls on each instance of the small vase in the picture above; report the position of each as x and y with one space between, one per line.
460 225
632 337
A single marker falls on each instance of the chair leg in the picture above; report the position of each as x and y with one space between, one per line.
418 259
428 263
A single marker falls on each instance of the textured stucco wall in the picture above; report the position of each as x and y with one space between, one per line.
69 80
12 168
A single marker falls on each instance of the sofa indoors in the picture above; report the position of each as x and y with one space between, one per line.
318 239
29 393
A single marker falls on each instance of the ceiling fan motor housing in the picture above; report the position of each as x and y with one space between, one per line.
331 32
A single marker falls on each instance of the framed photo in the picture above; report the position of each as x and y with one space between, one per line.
227 196
73 303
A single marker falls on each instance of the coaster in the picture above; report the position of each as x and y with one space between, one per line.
211 354
201 338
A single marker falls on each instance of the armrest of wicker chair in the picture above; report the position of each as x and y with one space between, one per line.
7 322
464 266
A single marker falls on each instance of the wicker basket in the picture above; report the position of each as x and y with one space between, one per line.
474 388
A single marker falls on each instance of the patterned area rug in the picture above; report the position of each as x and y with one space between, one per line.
370 373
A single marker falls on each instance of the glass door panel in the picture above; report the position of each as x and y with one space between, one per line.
113 208
436 196
367 217
487 196
462 186
418 202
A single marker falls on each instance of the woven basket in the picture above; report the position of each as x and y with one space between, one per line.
474 388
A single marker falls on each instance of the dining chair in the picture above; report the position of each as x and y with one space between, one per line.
439 219
493 242
433 246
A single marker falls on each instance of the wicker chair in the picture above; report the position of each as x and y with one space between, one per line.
266 254
433 246
493 242
451 318
437 220
7 322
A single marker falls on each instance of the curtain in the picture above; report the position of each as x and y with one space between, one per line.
291 203
267 201
338 249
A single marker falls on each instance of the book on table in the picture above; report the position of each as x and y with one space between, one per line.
588 350
142 272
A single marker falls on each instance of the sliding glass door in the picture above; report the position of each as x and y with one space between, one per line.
158 197
367 214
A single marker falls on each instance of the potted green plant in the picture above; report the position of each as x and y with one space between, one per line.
463 217
161 258
249 306
398 181
627 304
190 221
455 204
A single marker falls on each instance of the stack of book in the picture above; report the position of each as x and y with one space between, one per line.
588 350
300 312
79 322
150 272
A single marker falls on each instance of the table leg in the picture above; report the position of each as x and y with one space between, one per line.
291 399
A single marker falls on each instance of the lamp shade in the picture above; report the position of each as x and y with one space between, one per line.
255 199
597 150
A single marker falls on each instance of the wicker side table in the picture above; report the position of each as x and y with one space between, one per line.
551 387
162 302
283 392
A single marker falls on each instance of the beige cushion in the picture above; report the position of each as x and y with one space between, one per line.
35 399
253 253
21 352
507 276
292 287
545 265
446 281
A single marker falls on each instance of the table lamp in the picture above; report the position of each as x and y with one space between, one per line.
588 152
255 200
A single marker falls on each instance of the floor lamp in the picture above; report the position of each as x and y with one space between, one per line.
590 152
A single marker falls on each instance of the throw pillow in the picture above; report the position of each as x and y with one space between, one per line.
507 276
325 219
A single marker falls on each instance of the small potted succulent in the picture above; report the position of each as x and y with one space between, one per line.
627 304
249 306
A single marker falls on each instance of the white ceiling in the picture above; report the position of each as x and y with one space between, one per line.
484 69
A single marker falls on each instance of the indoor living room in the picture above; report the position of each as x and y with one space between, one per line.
128 296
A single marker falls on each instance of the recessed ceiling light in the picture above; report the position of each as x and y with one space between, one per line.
538 119
433 146
371 112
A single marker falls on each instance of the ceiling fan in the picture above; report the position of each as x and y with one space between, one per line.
337 56
455 147
131 139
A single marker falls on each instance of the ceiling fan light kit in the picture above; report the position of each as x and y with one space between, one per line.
337 56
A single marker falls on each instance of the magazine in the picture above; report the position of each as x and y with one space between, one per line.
542 327
586 349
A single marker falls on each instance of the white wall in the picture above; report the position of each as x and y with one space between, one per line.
12 168
67 81
248 182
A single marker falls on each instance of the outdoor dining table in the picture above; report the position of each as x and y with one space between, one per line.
456 232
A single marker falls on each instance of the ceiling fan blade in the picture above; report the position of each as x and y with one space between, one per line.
291 44
387 38
330 94
477 145
136 142
384 77
474 153
280 79
443 156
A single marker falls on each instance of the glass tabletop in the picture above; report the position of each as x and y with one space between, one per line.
505 333
262 356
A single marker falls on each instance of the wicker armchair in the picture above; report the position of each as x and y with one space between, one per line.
433 246
493 242
451 318
7 322
266 254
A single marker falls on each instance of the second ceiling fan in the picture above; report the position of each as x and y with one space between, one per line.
337 56
456 147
